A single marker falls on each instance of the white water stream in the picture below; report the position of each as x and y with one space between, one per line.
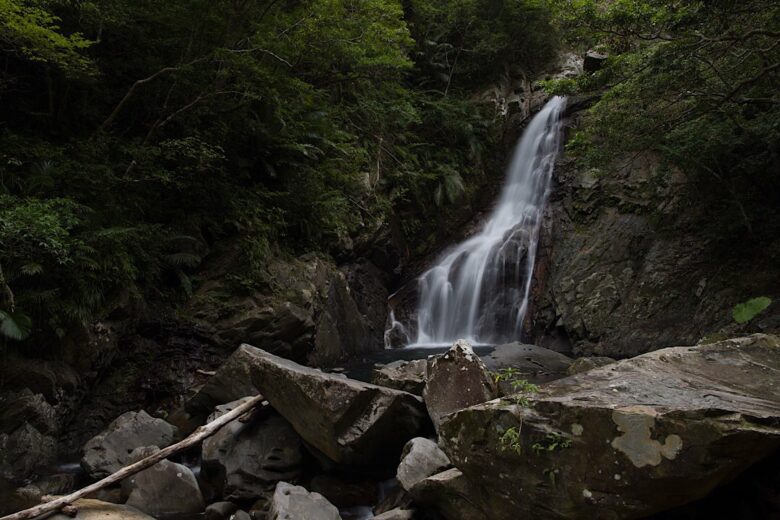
478 290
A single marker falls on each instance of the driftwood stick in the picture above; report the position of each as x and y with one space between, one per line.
196 437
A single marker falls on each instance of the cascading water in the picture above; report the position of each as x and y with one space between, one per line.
479 289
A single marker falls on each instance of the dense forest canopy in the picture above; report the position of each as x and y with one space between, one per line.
137 133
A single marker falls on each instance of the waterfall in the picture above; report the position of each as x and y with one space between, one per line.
479 289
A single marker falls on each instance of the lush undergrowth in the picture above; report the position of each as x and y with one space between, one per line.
137 133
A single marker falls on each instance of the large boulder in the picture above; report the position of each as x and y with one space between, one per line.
348 421
625 440
89 509
164 490
245 459
294 502
530 362
456 380
408 376
110 450
420 459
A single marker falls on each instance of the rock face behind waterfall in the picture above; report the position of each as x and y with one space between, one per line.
624 440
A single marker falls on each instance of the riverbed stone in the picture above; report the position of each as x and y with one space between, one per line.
420 459
451 495
220 510
110 450
291 502
626 440
167 489
246 458
408 376
456 380
89 509
348 421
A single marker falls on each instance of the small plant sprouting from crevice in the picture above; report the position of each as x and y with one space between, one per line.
517 383
551 442
552 475
510 439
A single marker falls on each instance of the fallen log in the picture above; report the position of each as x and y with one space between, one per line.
196 437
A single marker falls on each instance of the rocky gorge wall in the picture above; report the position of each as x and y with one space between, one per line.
634 258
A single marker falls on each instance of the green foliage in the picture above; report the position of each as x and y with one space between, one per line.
137 135
516 382
744 312
15 325
510 440
694 81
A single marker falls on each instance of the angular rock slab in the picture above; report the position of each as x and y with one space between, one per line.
348 421
625 440
456 380
245 459
110 450
294 502
89 509
420 459
533 363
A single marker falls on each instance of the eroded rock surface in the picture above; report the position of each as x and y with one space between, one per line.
110 450
348 421
295 502
408 376
245 459
628 439
420 459
166 489
532 363
89 509
456 380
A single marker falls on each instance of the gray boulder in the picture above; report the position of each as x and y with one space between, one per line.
245 459
450 494
110 450
408 376
89 509
294 502
348 421
420 459
584 364
534 364
163 490
593 61
220 510
626 440
456 380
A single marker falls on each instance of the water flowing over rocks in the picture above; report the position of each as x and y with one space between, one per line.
294 502
456 380
247 457
625 440
111 450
